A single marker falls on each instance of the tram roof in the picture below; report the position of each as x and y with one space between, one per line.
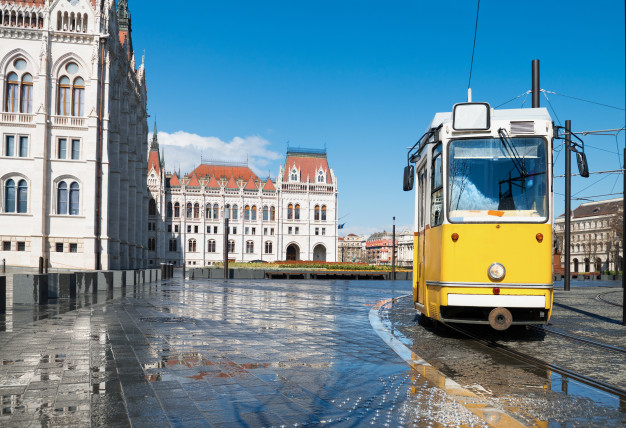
540 113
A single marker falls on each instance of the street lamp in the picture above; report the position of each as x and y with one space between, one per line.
226 217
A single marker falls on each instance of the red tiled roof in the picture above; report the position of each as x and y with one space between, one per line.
231 184
194 181
213 183
269 185
153 161
250 185
174 180
219 171
308 166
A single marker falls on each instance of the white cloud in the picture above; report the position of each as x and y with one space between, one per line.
184 151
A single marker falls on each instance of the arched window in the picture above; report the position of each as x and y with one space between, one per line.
290 212
210 246
268 247
188 209
62 198
11 104
74 198
27 94
323 212
294 175
317 212
235 212
9 196
249 247
216 212
272 213
265 213
64 97
253 212
151 207
169 210
231 245
208 212
176 210
246 212
192 245
320 177
296 212
78 97
196 210
22 197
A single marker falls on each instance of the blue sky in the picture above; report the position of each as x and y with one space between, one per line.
242 79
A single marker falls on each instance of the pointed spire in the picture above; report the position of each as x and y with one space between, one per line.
154 146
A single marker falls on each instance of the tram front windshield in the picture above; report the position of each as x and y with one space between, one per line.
495 180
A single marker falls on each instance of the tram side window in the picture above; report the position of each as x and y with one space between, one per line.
436 197
421 182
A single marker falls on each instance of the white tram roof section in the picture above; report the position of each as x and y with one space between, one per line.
515 114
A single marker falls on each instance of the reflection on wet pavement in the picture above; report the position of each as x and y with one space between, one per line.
242 353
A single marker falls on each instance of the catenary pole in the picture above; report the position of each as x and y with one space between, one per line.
623 248
393 251
536 90
568 202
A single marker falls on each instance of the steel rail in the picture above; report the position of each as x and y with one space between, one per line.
582 339
603 386
601 299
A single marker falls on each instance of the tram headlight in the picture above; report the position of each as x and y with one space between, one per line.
496 271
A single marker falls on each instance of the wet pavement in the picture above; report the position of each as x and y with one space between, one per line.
265 353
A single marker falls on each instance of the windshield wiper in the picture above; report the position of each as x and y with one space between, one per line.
518 161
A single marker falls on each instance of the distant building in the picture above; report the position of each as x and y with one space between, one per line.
293 217
405 248
596 229
73 136
352 249
379 248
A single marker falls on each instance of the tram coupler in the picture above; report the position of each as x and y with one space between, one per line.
500 319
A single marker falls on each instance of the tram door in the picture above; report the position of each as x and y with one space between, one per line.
421 225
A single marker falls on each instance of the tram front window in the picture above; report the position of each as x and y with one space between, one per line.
495 180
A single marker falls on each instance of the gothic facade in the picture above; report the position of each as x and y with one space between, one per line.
293 217
73 136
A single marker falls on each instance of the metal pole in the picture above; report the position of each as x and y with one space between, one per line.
393 251
226 248
568 202
623 247
535 88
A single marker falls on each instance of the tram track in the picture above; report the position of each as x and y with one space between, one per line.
520 356
600 298
581 339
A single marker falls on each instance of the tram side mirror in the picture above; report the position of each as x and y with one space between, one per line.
583 168
409 175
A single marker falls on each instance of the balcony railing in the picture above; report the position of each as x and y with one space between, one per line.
17 118
72 121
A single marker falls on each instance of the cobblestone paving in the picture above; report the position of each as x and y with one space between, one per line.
531 394
242 353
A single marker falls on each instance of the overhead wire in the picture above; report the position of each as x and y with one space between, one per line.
473 47
550 104
513 99
584 100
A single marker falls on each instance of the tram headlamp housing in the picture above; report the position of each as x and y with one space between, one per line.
496 271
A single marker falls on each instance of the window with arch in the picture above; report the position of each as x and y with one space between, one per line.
246 212
216 212
265 213
68 198
208 211
231 245
71 92
12 94
78 97
253 214
15 196
169 210
268 247
320 177
235 212
272 213
19 88
189 208
296 212
294 175
316 215
64 97
290 212
249 247
176 210
26 94
196 210
210 247
191 245
151 207
323 212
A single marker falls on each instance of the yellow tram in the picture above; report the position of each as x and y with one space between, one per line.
483 216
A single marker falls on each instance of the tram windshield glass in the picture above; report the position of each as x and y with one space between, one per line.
497 180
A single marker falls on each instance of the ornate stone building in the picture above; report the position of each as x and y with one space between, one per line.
293 217
596 229
73 136
352 249
379 247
